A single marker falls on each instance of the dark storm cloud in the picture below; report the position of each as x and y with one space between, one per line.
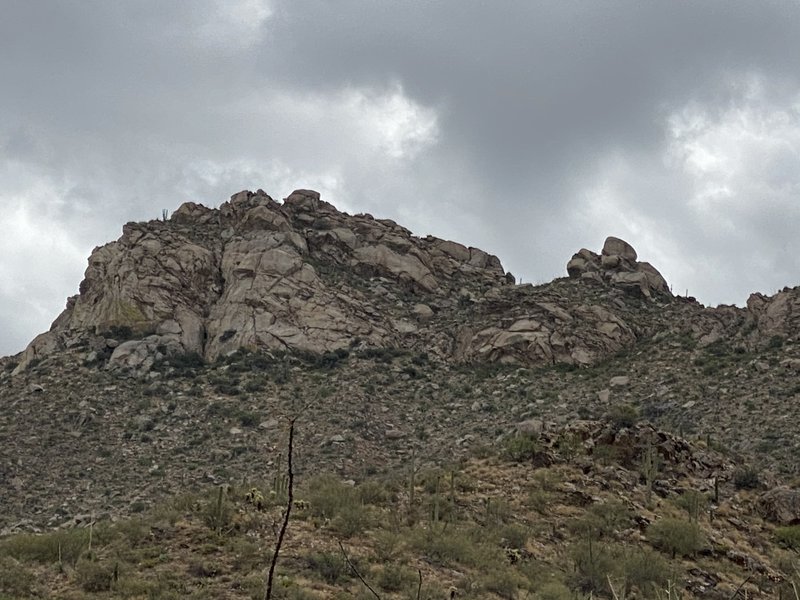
528 129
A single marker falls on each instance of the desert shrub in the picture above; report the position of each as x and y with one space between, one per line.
383 355
789 537
247 418
675 536
546 479
328 496
387 545
46 548
373 492
746 478
606 454
449 547
330 566
623 415
513 536
521 448
15 580
503 582
539 500
602 520
645 570
255 385
351 520
594 563
132 530
554 590
189 360
93 576
394 578
693 502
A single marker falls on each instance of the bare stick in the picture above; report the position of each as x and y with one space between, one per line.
353 567
741 585
419 587
285 524
611 585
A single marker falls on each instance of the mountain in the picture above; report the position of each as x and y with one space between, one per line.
195 339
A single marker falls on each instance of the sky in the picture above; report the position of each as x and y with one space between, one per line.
529 129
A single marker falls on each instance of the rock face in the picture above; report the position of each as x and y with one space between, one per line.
775 316
258 274
301 276
617 266
781 506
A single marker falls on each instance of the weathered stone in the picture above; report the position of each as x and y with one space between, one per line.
781 506
616 247
423 312
619 381
617 266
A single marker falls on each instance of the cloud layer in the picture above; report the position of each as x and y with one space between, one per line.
527 129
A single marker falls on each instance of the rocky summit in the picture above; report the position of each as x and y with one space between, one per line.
490 429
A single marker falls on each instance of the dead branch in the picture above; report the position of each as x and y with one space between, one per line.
353 567
285 523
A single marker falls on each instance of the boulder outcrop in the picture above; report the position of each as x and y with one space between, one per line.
781 506
258 274
617 265
301 276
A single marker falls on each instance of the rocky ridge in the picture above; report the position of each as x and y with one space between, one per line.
302 276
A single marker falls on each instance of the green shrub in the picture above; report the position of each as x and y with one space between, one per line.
676 537
503 582
66 545
93 576
693 502
789 537
623 415
394 578
746 478
15 580
645 570
330 566
594 563
602 520
190 360
539 500
513 536
351 520
554 590
373 492
449 547
328 496
521 448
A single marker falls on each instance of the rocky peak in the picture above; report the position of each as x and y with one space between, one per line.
617 266
259 274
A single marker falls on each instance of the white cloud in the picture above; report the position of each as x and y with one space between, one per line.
236 23
40 257
719 212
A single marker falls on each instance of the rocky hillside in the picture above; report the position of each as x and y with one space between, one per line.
196 338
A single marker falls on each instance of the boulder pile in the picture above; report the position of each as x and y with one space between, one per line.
617 265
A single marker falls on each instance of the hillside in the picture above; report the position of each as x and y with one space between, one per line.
195 339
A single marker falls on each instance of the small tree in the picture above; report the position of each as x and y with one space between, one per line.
676 537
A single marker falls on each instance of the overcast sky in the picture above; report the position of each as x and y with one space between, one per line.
529 129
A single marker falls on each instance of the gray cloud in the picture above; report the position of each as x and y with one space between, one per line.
528 129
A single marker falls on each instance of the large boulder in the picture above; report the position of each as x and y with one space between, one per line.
781 505
617 266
